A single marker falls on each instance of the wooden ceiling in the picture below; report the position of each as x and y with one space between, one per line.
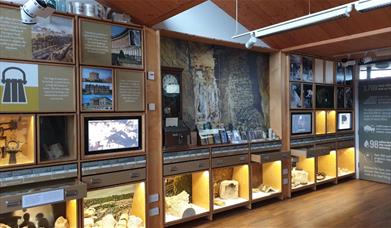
254 14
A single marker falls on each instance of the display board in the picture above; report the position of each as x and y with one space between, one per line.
111 45
375 130
26 87
129 88
51 39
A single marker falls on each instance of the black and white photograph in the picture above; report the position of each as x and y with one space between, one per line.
324 96
295 95
307 74
344 121
348 97
307 95
340 97
295 67
349 75
340 74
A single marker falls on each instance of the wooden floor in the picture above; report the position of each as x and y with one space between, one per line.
353 203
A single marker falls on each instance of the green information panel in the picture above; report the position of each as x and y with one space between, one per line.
36 88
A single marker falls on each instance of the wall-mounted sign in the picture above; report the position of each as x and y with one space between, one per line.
111 45
51 39
129 90
375 130
36 88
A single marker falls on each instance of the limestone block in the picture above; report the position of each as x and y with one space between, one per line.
299 177
179 205
229 189
61 222
135 222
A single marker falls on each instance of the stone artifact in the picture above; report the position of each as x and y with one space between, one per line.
179 205
229 189
320 176
54 151
135 222
4 226
108 221
342 171
299 177
219 202
61 222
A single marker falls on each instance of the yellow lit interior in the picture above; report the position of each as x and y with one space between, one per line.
138 207
346 159
200 189
320 122
307 164
241 174
331 122
30 141
71 212
328 164
271 174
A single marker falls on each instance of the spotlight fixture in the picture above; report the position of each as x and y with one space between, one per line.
326 15
251 42
363 6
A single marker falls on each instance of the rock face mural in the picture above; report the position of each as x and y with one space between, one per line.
220 84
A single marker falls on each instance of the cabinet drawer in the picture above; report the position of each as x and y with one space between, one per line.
230 160
108 179
323 149
269 157
185 167
345 144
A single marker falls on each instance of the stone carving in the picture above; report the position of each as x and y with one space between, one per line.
4 226
299 177
179 205
61 222
229 189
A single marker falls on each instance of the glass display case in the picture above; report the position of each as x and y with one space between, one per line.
266 179
303 172
320 122
120 206
326 167
346 161
57 137
186 195
230 186
17 140
331 122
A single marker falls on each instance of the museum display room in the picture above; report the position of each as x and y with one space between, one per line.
112 117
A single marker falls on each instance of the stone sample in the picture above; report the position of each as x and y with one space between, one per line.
179 205
229 189
61 222
299 177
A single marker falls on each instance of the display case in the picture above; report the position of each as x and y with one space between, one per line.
266 179
346 162
57 137
320 122
326 167
118 206
331 122
303 169
55 205
186 196
17 140
230 186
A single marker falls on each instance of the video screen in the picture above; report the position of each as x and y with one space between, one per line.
344 121
301 123
112 134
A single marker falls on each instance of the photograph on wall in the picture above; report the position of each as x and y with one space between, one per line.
301 123
340 74
340 97
349 75
126 47
296 95
307 69
295 65
344 121
307 95
324 96
348 97
52 39
19 87
97 89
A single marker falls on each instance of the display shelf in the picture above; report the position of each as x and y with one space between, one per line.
326 167
320 122
306 176
331 122
186 196
57 138
266 180
17 140
346 162
120 205
230 187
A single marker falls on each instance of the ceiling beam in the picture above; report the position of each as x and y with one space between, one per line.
339 39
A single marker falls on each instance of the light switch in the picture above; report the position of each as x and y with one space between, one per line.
153 211
151 75
153 198
151 106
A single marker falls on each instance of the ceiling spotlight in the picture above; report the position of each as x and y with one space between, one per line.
368 5
251 42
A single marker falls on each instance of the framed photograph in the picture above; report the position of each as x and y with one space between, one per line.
340 97
301 123
96 89
126 46
244 136
340 74
224 137
295 93
307 74
236 138
348 97
344 121
229 136
324 96
295 68
349 75
217 139
307 95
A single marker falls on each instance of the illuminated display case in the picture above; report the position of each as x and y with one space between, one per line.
326 167
17 140
119 206
186 196
325 122
346 162
230 186
303 169
57 137
266 179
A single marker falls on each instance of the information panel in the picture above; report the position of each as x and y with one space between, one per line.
129 90
375 130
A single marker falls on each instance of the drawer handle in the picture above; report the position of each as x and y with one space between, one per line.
173 169
95 181
71 193
134 175
15 203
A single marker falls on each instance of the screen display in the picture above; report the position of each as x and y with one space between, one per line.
301 123
112 134
344 121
